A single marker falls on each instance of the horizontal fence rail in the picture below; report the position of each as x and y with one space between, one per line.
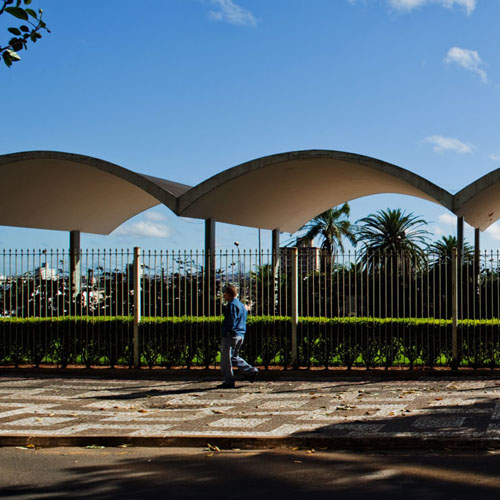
308 308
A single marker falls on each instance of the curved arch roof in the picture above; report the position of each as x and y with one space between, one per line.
63 191
286 190
479 202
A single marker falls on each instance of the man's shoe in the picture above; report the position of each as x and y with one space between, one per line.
225 385
251 378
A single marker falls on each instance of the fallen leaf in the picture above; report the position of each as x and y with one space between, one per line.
142 411
210 455
297 461
30 446
94 447
125 445
311 451
213 447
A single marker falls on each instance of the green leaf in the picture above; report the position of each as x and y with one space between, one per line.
31 12
16 43
24 28
17 12
14 31
27 2
6 59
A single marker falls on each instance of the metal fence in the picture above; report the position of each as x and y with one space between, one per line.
162 307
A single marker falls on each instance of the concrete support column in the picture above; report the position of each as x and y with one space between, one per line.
477 266
460 240
477 249
460 262
454 309
74 263
137 303
209 266
275 251
295 304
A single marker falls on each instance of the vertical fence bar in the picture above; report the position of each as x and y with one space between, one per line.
295 299
454 309
137 302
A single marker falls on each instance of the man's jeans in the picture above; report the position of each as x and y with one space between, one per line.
230 348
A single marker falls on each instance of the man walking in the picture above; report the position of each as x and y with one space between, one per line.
233 333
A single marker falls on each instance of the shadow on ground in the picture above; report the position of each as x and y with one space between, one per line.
299 474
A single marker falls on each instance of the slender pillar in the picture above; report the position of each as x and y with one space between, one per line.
295 304
209 265
460 240
275 250
74 263
454 309
477 249
460 263
477 265
137 303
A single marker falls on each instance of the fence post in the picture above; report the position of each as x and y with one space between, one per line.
74 264
276 265
295 300
454 308
137 302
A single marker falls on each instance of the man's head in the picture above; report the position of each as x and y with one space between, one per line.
229 292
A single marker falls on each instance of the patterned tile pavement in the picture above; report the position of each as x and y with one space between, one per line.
453 408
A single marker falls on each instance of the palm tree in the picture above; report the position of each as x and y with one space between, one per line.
392 232
331 226
443 247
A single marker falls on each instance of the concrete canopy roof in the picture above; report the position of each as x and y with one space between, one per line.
479 202
63 191
284 191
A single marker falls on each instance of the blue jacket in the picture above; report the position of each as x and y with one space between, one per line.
235 319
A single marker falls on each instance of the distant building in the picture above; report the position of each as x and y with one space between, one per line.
309 257
46 273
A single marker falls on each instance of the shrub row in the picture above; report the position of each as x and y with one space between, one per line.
190 341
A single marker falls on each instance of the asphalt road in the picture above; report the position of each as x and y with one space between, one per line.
146 473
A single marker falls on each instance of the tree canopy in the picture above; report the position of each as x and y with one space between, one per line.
331 226
27 31
392 231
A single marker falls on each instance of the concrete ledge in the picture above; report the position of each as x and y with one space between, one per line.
248 443
264 375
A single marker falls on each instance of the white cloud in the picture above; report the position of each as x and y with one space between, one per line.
467 59
494 231
448 219
408 5
143 229
227 11
495 157
441 144
155 216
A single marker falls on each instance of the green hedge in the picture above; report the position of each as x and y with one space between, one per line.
194 341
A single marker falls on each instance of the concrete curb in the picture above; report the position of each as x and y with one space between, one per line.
248 443
264 375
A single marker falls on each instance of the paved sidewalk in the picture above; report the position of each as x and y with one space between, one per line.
332 412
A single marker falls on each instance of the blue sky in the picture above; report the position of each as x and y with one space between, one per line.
183 89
